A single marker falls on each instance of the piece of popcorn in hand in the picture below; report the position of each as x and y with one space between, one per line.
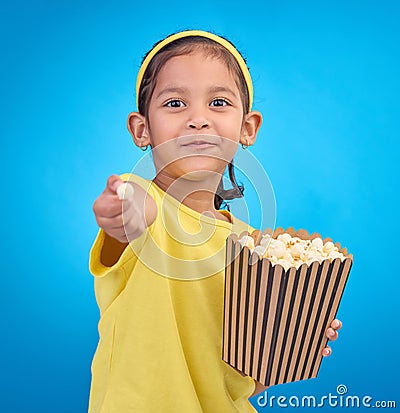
125 191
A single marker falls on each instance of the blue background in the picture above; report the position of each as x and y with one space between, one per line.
326 79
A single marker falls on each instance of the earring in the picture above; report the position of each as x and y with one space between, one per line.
245 145
144 148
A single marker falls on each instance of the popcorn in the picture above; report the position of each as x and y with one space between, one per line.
335 254
265 240
274 260
291 251
297 250
328 247
125 191
314 256
247 241
277 248
285 237
317 243
285 264
288 257
260 250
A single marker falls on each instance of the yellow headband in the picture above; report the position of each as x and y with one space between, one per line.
208 35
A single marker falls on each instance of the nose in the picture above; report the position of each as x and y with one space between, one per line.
198 124
197 121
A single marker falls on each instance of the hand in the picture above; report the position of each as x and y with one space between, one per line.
332 335
120 219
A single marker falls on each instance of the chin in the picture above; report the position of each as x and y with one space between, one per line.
198 175
200 168
193 168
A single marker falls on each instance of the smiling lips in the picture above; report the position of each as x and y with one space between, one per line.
199 142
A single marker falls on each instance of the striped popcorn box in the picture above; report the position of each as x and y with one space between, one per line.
276 313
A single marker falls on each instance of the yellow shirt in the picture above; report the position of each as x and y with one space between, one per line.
161 318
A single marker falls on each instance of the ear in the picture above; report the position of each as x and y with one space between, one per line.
251 125
138 128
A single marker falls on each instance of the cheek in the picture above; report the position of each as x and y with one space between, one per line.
234 126
154 124
158 119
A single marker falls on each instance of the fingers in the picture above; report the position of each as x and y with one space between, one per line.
332 334
107 206
113 182
118 210
336 324
116 216
327 351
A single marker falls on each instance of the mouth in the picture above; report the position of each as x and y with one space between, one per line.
199 142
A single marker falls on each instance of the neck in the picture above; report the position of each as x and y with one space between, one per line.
197 192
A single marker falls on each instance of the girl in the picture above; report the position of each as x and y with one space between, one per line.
158 259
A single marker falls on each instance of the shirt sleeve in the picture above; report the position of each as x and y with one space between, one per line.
97 268
109 282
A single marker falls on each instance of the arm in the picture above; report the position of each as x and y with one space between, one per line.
111 251
259 388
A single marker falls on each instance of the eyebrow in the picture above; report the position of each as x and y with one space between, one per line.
182 90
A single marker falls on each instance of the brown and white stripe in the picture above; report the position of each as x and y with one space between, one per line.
275 320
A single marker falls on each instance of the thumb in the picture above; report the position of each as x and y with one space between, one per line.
113 182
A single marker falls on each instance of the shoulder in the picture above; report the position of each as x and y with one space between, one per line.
238 226
128 177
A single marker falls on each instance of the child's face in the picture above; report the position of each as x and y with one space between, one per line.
196 95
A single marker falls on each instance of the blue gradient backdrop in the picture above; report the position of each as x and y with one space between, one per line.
326 78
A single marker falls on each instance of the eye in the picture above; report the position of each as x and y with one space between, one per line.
175 103
219 102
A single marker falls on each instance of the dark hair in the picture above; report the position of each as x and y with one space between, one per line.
186 45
